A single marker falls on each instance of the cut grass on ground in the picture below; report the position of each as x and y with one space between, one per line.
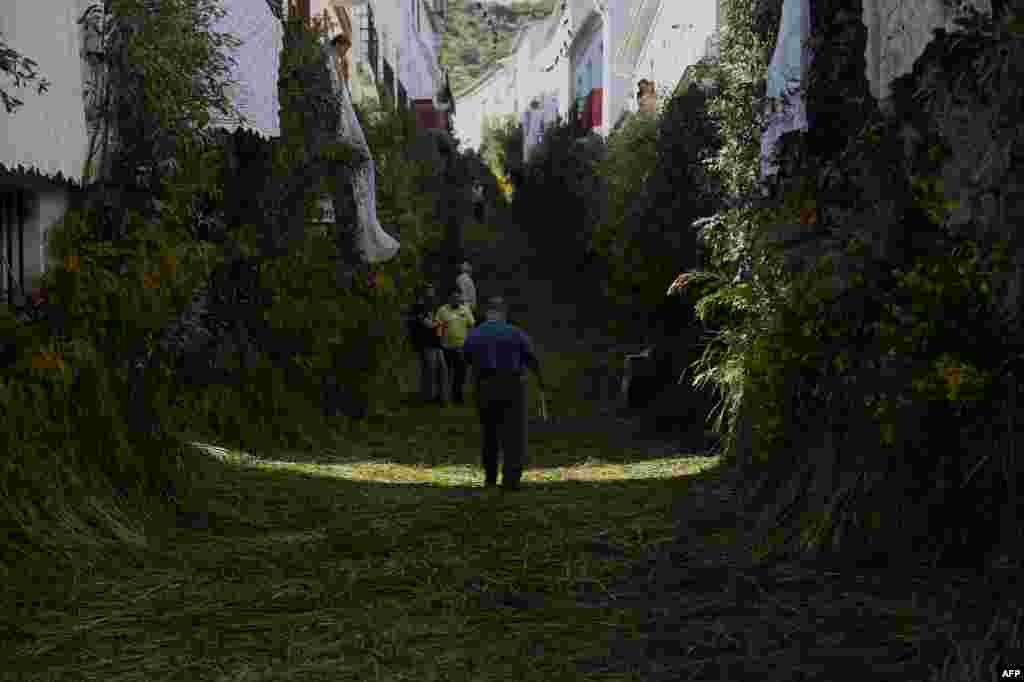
381 560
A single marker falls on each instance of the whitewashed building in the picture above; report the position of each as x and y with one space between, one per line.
664 39
589 58
495 93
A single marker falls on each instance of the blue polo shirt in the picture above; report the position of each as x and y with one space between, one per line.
496 345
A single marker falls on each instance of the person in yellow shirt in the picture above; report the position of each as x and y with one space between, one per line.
456 319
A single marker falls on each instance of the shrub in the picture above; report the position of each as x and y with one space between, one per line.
561 173
657 186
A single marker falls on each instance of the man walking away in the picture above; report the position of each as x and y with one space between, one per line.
466 285
498 354
456 320
426 341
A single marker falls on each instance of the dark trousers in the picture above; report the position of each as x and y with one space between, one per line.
501 401
456 361
434 382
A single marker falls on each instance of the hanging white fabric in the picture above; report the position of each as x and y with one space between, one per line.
48 133
533 127
375 244
550 111
786 110
257 61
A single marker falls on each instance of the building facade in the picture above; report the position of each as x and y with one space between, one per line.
393 59
586 60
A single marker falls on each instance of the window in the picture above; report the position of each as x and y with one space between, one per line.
13 210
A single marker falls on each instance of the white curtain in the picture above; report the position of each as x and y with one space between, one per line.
48 133
257 62
550 110
785 78
375 244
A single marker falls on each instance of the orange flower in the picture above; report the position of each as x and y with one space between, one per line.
47 359
151 280
71 263
168 263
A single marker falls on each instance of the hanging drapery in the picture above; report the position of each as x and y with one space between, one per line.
786 108
47 135
257 61
374 243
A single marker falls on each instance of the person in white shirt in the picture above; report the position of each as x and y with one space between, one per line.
465 284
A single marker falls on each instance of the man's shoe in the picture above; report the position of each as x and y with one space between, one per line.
509 487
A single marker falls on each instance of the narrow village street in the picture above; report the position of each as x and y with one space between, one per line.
380 557
766 253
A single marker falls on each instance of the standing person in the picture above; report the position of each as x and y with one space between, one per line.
465 284
426 341
456 320
499 353
479 207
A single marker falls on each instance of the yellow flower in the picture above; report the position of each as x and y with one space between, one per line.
385 282
71 263
151 280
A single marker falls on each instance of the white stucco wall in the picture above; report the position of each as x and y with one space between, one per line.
898 31
493 97
556 81
670 51
48 133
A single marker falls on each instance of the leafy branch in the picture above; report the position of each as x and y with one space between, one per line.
20 69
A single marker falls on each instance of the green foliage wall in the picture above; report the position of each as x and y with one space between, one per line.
658 184
851 348
193 320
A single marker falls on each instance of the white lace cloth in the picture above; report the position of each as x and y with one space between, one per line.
375 244
48 133
785 77
257 61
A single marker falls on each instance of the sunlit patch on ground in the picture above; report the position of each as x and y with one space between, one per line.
456 474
